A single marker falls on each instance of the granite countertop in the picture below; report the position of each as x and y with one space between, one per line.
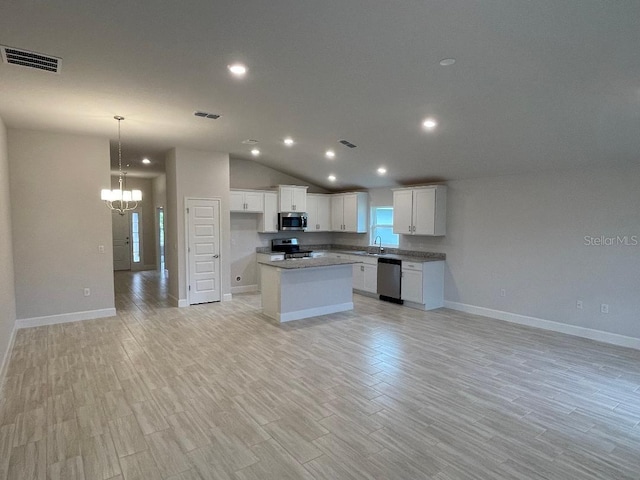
296 263
404 258
395 253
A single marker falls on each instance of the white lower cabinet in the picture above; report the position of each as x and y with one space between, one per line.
365 277
371 278
365 274
411 285
422 284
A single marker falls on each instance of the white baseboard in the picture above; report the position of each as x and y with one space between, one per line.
244 289
227 297
7 355
65 318
314 312
590 333
180 303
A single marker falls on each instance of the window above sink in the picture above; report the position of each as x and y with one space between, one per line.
382 225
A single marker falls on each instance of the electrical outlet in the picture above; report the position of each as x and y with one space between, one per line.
100 248
579 304
604 308
87 292
503 292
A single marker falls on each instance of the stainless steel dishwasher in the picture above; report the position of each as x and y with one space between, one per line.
389 279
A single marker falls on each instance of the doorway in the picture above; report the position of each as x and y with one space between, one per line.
161 222
203 252
121 230
127 236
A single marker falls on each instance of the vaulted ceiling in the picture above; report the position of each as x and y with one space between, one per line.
536 85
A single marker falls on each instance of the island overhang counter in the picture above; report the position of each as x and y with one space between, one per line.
302 288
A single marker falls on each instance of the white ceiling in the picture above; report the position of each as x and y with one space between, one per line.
537 85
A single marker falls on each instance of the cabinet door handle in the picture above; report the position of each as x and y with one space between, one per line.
216 256
362 269
409 228
414 228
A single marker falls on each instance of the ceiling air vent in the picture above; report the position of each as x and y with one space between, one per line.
212 116
29 59
347 143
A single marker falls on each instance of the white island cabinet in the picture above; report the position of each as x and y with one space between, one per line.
303 288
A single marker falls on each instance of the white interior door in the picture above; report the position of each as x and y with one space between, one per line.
120 227
203 217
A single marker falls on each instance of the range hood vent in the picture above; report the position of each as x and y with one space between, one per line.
347 143
25 58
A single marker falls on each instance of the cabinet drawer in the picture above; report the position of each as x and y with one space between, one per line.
412 266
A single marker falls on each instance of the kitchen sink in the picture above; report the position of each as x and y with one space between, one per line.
377 254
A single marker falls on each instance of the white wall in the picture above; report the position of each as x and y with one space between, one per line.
253 175
195 174
525 234
7 288
171 226
58 222
146 209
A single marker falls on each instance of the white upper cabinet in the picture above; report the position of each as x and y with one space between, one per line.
318 212
269 222
349 212
248 201
403 211
420 210
293 198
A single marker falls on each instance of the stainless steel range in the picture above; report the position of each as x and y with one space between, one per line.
290 247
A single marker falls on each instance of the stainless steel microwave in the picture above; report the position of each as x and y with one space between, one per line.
288 221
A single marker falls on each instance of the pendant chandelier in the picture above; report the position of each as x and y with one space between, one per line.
121 200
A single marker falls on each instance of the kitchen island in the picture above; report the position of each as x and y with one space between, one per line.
307 287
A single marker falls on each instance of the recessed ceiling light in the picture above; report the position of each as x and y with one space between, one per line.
429 124
331 178
255 152
330 154
237 69
288 141
146 161
382 171
445 62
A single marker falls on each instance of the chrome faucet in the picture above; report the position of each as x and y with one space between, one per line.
375 242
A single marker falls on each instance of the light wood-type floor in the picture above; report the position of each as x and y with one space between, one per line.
384 392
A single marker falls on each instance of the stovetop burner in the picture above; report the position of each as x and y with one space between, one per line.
298 254
289 246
